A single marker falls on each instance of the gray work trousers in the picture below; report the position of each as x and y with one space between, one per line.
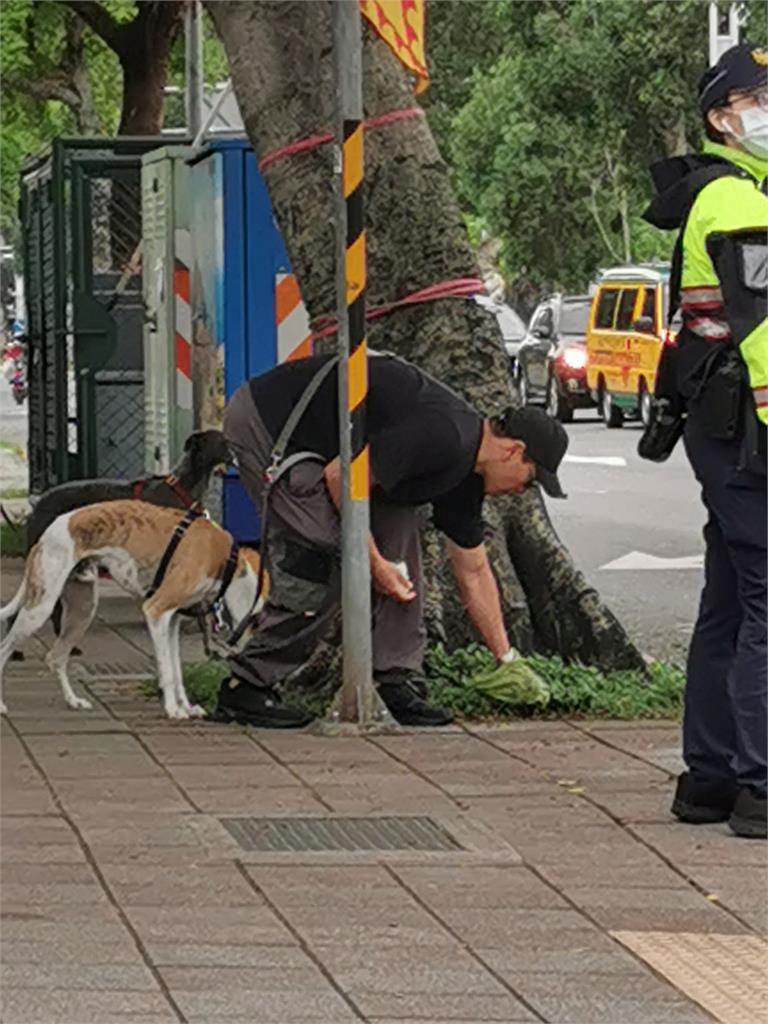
303 562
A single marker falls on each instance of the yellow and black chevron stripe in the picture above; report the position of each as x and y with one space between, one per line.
357 392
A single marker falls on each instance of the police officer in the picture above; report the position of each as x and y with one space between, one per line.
718 388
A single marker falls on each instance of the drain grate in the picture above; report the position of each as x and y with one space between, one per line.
303 835
115 669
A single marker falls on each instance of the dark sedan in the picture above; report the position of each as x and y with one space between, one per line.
552 360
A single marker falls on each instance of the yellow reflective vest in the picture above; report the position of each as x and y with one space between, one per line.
727 206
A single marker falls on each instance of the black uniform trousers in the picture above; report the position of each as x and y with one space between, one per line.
724 728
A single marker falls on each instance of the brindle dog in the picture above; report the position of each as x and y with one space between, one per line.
204 451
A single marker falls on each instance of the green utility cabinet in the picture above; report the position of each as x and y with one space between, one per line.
168 408
81 247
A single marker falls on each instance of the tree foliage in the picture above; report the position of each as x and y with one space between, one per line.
63 67
550 116
58 79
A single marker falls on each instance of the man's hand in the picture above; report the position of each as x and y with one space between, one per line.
480 595
388 580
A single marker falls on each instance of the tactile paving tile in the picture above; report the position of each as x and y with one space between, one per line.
726 974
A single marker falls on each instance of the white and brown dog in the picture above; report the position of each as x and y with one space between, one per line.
129 539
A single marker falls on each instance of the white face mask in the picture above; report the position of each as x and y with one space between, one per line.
754 136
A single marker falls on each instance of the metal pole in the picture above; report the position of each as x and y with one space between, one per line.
714 31
193 98
213 113
358 700
724 28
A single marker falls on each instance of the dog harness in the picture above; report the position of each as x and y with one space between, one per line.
173 482
176 538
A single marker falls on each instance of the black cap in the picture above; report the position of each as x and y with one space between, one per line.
545 442
743 67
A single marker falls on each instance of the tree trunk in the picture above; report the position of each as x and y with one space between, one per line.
85 113
144 51
675 138
144 81
281 61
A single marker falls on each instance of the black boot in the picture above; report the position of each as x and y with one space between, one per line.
749 815
404 693
703 801
254 705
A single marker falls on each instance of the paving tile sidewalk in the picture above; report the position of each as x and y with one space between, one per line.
125 899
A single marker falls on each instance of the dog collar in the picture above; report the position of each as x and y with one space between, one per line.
172 481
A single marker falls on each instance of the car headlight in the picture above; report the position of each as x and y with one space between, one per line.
575 357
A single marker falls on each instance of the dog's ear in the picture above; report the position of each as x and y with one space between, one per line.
193 441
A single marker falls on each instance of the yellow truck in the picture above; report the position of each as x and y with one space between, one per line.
625 335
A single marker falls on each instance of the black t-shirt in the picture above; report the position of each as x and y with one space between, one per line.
423 438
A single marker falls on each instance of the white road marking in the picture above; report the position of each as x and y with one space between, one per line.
597 460
638 560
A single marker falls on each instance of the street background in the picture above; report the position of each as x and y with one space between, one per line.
628 524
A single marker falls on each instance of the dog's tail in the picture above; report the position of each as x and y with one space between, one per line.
10 610
11 522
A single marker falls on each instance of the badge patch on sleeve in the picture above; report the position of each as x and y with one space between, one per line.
754 265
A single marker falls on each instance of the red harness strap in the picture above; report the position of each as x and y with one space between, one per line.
186 500
139 486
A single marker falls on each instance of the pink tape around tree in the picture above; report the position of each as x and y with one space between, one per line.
315 141
457 288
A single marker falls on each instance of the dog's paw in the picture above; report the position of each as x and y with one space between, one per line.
178 714
195 711
79 704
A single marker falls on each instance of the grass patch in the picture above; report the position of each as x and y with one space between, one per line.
12 540
575 690
455 679
11 446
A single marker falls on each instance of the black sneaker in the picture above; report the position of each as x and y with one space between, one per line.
749 815
408 708
403 675
703 801
254 705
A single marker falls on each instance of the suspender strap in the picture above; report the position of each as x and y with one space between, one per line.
280 465
176 538
289 427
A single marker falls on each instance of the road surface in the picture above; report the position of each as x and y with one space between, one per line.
13 431
634 527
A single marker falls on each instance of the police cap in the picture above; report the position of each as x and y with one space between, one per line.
743 67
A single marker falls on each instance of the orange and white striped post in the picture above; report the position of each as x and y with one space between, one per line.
294 335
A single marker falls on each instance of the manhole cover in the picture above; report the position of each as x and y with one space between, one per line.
301 835
723 973
115 669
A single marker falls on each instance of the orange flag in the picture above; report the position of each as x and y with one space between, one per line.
400 23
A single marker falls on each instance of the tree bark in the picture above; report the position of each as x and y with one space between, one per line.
281 61
675 137
143 47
